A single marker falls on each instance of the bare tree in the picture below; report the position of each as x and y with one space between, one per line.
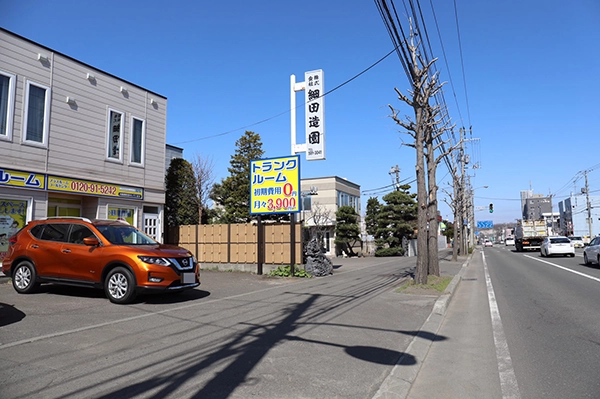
322 220
456 206
435 152
204 171
424 133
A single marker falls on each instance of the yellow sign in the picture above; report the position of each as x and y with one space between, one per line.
65 184
275 185
17 178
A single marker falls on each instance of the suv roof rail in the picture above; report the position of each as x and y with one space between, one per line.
66 217
113 220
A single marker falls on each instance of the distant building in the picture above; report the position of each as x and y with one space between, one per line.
172 152
536 206
321 198
574 215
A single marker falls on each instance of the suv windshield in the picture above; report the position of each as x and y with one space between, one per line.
124 235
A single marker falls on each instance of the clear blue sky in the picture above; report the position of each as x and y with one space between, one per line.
530 77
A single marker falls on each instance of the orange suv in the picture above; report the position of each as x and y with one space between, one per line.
106 254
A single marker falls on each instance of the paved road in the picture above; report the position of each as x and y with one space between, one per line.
518 326
237 336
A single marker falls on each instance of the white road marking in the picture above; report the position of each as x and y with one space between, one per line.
564 268
508 380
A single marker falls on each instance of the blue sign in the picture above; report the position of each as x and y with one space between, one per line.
485 224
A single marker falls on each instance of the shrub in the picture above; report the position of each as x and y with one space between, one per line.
285 271
394 251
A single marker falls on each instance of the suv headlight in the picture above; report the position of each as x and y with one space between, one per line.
155 261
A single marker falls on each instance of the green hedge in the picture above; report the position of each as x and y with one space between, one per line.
395 251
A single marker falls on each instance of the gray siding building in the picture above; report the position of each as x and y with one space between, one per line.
321 198
76 141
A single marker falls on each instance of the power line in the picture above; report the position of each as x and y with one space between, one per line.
287 111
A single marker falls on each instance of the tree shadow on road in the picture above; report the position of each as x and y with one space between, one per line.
9 314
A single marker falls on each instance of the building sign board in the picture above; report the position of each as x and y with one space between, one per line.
315 115
88 187
16 178
275 185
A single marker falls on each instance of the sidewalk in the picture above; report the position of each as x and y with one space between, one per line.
399 382
461 362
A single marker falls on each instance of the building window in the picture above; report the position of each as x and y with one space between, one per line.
137 141
345 199
118 213
37 99
115 135
307 203
7 90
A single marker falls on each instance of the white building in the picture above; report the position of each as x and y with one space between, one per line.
76 141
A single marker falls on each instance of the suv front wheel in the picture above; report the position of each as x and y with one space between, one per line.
120 285
23 278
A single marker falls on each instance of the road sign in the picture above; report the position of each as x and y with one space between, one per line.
485 224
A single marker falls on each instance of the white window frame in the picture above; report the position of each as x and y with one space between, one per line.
44 142
10 107
142 141
109 134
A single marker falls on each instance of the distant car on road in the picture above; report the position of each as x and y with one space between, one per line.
488 243
577 241
509 241
557 245
591 253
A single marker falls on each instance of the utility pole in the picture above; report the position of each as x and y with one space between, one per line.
395 170
589 205
463 227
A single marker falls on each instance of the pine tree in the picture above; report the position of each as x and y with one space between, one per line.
233 193
181 196
347 232
396 219
373 209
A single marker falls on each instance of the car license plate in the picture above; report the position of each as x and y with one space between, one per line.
188 278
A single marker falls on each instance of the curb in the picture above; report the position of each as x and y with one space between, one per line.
398 383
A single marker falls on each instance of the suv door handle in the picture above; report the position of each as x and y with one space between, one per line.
66 251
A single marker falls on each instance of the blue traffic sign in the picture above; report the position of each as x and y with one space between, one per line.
485 224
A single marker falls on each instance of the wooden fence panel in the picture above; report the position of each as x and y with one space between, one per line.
238 243
214 242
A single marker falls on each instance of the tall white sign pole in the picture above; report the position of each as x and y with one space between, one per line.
313 85
294 87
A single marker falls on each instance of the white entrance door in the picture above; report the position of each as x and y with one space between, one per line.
152 226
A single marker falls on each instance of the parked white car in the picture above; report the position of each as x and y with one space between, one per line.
591 253
509 241
557 245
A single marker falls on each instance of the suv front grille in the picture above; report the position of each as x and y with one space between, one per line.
183 263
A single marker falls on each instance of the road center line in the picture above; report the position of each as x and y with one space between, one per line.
508 380
564 268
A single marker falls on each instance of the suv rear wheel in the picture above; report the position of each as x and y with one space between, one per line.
120 285
23 278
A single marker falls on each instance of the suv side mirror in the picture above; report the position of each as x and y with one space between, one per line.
92 241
